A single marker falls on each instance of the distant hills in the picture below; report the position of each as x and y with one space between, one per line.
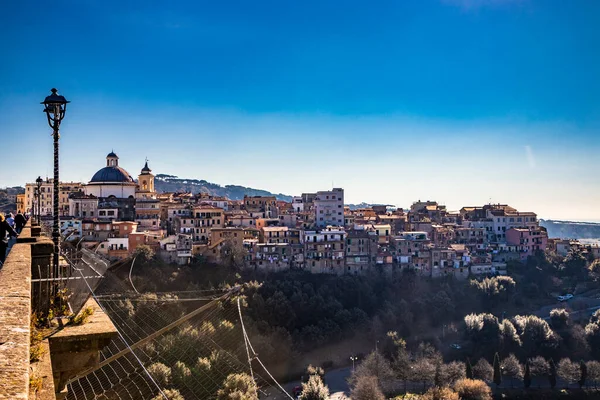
171 183
571 230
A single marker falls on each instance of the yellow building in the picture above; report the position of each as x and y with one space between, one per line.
21 203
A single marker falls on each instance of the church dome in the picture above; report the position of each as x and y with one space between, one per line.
112 174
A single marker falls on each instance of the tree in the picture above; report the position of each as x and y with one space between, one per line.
593 372
233 254
312 370
483 330
559 318
583 373
469 369
493 290
143 253
510 337
181 373
374 365
483 370
451 372
423 370
497 370
535 334
568 371
314 389
592 333
512 368
552 374
367 388
439 393
538 367
238 387
527 375
160 373
473 389
594 269
575 263
401 364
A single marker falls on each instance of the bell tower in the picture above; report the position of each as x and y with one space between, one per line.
146 181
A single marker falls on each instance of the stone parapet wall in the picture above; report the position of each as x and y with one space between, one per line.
15 314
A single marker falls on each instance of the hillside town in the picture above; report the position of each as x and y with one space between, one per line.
113 214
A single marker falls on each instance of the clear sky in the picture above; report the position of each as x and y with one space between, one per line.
461 101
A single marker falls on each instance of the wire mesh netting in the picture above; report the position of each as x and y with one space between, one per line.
170 345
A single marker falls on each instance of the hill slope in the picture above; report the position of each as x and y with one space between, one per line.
171 183
571 230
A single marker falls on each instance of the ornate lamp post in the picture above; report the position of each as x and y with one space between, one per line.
38 190
55 107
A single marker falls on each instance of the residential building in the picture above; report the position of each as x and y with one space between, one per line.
329 208
361 250
527 240
261 206
83 205
324 250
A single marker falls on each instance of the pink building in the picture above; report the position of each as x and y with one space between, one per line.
527 240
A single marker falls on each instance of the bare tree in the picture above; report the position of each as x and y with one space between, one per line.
450 373
233 254
512 368
539 368
483 370
423 370
568 371
367 388
374 365
593 372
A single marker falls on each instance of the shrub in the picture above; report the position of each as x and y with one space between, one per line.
314 389
473 389
36 352
238 386
160 373
440 393
181 373
83 316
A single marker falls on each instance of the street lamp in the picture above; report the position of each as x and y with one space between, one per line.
55 107
38 190
353 358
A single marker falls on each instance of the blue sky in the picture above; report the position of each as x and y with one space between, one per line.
462 101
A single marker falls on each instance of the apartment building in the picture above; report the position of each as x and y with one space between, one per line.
329 208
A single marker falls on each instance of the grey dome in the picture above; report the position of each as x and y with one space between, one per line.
112 154
112 174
